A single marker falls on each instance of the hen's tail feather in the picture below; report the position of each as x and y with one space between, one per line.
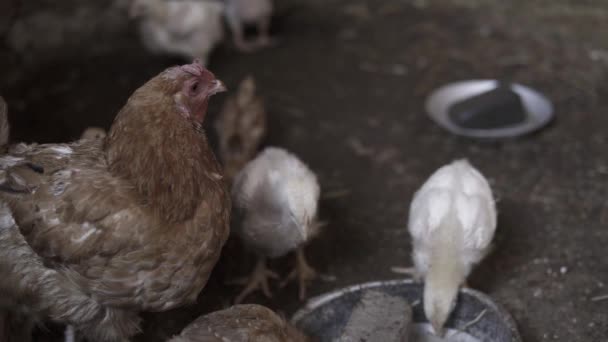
4 126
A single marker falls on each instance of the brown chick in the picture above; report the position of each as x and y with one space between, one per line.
134 225
241 127
241 323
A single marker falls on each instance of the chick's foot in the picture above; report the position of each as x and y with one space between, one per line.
258 280
411 271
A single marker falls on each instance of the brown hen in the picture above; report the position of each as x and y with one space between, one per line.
241 323
135 222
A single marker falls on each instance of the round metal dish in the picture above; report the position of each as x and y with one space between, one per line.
324 317
539 110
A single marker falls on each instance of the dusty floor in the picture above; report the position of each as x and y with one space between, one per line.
345 91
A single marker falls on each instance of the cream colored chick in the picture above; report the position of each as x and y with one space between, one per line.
241 12
187 28
275 199
452 222
93 133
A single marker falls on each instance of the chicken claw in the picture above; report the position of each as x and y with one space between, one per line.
264 39
411 271
257 280
303 271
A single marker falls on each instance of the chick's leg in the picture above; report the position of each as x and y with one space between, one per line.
238 33
264 38
303 271
70 334
258 280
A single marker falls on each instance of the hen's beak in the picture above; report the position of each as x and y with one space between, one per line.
217 86
438 328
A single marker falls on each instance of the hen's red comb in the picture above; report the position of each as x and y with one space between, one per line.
196 68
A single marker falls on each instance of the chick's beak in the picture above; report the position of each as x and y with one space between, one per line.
217 86
438 328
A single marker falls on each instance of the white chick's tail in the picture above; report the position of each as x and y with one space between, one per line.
4 126
265 202
268 227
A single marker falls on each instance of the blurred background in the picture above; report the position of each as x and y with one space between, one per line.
344 89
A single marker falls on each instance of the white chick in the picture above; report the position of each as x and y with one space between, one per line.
452 221
93 133
276 197
241 12
187 28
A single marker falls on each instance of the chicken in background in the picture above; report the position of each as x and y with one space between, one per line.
240 127
241 323
187 28
242 12
275 200
452 222
136 224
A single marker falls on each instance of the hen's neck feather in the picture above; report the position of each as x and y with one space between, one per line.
168 161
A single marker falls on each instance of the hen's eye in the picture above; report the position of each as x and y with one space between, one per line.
194 87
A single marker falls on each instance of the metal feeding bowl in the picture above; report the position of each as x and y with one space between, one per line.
489 109
476 318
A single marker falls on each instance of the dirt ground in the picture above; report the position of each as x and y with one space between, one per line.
345 90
